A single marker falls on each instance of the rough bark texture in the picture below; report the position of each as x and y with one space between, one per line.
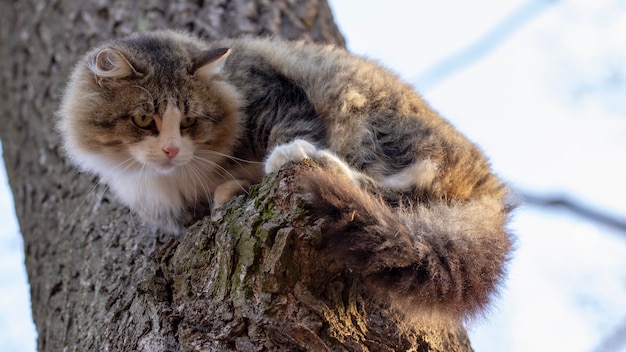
252 279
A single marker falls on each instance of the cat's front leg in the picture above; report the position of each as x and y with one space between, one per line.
227 190
300 149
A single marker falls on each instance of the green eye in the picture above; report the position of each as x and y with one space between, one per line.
187 122
143 121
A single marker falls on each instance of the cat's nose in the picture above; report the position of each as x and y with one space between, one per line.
170 151
170 147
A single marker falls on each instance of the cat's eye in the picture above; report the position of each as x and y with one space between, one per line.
187 122
143 121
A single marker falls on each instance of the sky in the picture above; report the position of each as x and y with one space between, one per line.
17 331
540 86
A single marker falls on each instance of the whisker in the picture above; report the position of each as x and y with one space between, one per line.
198 176
145 90
149 101
203 116
144 179
126 163
194 173
238 161
158 102
82 202
233 158
223 172
195 192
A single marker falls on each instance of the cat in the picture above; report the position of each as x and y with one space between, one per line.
175 125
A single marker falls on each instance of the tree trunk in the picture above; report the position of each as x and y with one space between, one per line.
249 279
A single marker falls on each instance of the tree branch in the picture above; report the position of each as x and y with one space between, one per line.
483 46
577 208
253 277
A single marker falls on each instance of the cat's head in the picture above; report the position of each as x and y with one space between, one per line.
149 103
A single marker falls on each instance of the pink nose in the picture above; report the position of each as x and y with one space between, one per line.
170 151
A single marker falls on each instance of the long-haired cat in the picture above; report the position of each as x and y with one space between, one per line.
175 125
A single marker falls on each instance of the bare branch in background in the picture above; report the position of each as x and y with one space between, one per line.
575 207
484 45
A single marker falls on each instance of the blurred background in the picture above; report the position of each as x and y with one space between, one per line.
541 87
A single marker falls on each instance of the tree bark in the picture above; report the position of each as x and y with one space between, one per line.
251 278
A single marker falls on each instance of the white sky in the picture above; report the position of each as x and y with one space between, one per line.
545 97
17 331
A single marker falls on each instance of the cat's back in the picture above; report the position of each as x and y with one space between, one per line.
328 73
374 120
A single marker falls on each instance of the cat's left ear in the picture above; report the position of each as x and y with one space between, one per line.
110 65
210 63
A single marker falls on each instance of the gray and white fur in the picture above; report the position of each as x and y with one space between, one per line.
175 125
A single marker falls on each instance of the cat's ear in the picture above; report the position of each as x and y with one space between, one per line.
110 65
210 63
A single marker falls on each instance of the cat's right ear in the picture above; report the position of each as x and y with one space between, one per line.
110 65
210 63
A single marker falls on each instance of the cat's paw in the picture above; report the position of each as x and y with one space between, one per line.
299 150
295 151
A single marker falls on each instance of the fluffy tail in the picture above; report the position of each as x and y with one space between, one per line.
429 260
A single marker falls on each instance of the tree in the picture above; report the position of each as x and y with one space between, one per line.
250 279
